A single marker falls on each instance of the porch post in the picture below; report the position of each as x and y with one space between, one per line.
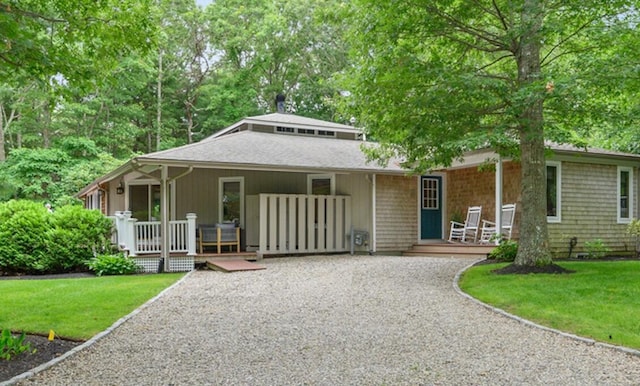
191 234
130 234
498 198
119 227
165 238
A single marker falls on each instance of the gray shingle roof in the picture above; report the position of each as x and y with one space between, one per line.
256 150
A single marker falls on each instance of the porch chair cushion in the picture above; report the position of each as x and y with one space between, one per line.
464 232
219 235
489 229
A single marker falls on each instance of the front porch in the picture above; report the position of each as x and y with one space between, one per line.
285 224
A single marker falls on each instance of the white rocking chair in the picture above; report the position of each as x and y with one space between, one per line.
489 228
469 230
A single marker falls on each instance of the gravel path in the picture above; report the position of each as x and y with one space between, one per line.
336 320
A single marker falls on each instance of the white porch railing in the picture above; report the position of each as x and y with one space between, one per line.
298 223
144 237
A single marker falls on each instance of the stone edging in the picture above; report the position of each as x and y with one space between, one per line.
529 323
94 339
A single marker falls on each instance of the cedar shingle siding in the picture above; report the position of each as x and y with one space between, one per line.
470 186
396 212
588 203
589 209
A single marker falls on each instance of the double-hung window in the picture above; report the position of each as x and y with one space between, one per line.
553 191
625 194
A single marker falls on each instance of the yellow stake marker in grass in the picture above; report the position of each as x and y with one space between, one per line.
51 335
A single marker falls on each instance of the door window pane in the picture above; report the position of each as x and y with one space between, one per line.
430 194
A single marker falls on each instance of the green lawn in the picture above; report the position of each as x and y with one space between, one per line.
601 300
75 308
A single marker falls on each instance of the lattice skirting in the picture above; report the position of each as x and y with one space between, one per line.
181 264
176 264
147 264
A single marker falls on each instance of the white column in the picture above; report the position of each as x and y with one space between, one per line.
191 234
130 235
119 228
498 198
165 238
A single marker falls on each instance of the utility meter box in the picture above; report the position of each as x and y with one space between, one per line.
358 238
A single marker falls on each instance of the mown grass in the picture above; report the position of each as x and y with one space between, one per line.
601 300
75 308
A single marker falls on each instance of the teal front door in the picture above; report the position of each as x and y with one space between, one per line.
431 207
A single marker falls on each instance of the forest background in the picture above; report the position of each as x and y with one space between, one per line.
84 86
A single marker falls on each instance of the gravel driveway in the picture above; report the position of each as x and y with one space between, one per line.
337 320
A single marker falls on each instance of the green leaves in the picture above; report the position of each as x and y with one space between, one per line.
112 265
11 345
36 241
70 37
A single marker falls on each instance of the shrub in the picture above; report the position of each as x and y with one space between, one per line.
76 235
596 249
23 230
11 346
35 241
505 251
112 265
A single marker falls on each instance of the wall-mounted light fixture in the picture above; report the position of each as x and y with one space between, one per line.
120 188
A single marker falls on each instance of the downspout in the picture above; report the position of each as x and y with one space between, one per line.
374 222
498 199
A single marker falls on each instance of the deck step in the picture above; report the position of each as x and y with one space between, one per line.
449 250
233 265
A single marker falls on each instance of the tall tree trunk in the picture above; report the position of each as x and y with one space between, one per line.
159 103
46 125
3 125
534 240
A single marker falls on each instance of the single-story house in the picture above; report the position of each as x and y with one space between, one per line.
296 185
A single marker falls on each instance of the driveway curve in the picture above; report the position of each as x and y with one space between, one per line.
337 320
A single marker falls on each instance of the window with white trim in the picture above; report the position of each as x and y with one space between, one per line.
231 200
625 194
321 184
553 191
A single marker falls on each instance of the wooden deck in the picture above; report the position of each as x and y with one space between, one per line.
446 249
233 265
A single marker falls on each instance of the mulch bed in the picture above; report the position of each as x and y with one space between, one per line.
549 269
45 351
524 270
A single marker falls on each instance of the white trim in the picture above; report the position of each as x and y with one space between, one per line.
558 165
221 182
498 206
374 225
630 198
329 176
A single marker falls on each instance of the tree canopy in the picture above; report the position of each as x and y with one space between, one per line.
433 79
